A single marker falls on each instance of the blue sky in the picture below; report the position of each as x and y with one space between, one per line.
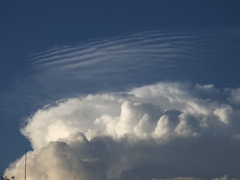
65 49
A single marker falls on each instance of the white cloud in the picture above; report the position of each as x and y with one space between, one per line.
157 131
58 160
235 96
224 113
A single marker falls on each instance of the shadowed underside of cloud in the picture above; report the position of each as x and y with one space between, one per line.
165 130
191 178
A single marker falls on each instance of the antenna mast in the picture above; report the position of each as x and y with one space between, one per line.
25 164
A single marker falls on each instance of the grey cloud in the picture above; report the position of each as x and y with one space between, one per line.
59 161
225 177
165 130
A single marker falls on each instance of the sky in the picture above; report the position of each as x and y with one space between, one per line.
120 90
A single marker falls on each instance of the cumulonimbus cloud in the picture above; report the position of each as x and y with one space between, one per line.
165 130
168 130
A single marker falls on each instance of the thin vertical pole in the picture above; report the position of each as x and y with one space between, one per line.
25 165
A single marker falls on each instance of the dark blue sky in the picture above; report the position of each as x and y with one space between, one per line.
28 26
34 26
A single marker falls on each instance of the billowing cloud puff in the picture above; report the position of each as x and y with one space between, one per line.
166 130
